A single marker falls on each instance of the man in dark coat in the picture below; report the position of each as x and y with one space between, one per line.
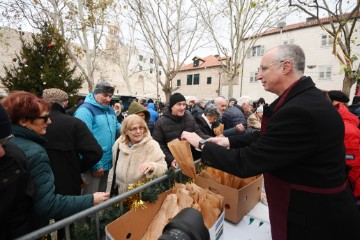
174 121
71 147
16 186
299 149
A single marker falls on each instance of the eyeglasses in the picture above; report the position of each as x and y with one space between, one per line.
135 129
45 118
265 67
6 139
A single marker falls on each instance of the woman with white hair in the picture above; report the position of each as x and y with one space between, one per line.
254 120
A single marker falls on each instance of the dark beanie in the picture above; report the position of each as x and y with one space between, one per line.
5 124
233 99
103 87
339 96
175 98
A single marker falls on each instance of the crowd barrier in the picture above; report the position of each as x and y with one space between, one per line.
118 200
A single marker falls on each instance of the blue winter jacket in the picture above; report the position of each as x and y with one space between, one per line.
47 204
102 122
154 116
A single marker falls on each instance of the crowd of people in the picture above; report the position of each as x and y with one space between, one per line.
55 163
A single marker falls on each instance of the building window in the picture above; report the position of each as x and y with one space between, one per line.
325 72
253 77
196 62
140 68
326 40
141 57
178 82
196 79
208 80
189 80
257 51
151 60
289 41
151 70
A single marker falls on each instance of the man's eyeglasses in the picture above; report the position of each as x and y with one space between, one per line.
265 67
45 118
135 129
5 140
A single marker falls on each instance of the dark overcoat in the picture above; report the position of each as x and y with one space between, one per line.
303 144
72 149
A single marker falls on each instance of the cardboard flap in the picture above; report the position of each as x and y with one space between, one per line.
182 153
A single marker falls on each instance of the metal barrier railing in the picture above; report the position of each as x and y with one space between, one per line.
64 223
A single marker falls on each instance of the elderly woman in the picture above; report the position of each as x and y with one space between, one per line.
254 120
30 117
138 155
207 119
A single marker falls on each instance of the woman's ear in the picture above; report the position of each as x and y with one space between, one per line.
23 122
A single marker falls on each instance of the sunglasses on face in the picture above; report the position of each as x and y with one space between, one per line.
5 140
45 117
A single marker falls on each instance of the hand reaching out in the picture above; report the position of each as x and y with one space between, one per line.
100 197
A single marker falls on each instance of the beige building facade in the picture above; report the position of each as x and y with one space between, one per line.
321 64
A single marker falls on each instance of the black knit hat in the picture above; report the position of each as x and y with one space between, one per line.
5 124
233 99
175 98
104 87
339 96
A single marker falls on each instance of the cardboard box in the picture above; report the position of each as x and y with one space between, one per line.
133 224
238 202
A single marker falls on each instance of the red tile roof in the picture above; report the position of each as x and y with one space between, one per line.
309 23
207 62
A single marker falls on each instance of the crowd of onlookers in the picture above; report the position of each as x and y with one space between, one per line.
56 161
74 158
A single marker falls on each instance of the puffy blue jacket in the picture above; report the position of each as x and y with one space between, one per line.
154 116
102 122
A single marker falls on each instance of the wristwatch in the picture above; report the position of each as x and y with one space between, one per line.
201 143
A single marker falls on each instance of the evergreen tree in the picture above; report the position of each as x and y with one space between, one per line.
42 63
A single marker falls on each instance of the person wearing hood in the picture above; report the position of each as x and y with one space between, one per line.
140 110
154 115
101 119
174 121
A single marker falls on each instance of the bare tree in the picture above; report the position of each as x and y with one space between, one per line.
83 22
172 30
235 26
340 25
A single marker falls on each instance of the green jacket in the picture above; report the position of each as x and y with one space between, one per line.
47 204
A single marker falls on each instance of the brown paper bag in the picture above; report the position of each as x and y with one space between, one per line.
182 153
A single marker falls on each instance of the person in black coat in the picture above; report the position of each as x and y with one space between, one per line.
16 186
207 119
299 150
71 147
174 121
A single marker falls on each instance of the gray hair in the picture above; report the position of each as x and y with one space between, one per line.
200 101
293 53
211 110
244 100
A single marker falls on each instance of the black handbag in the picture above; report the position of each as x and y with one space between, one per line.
114 190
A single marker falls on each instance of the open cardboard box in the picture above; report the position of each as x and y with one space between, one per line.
238 202
134 223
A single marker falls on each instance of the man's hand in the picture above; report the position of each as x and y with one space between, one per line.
174 165
240 128
99 173
191 137
222 141
146 168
